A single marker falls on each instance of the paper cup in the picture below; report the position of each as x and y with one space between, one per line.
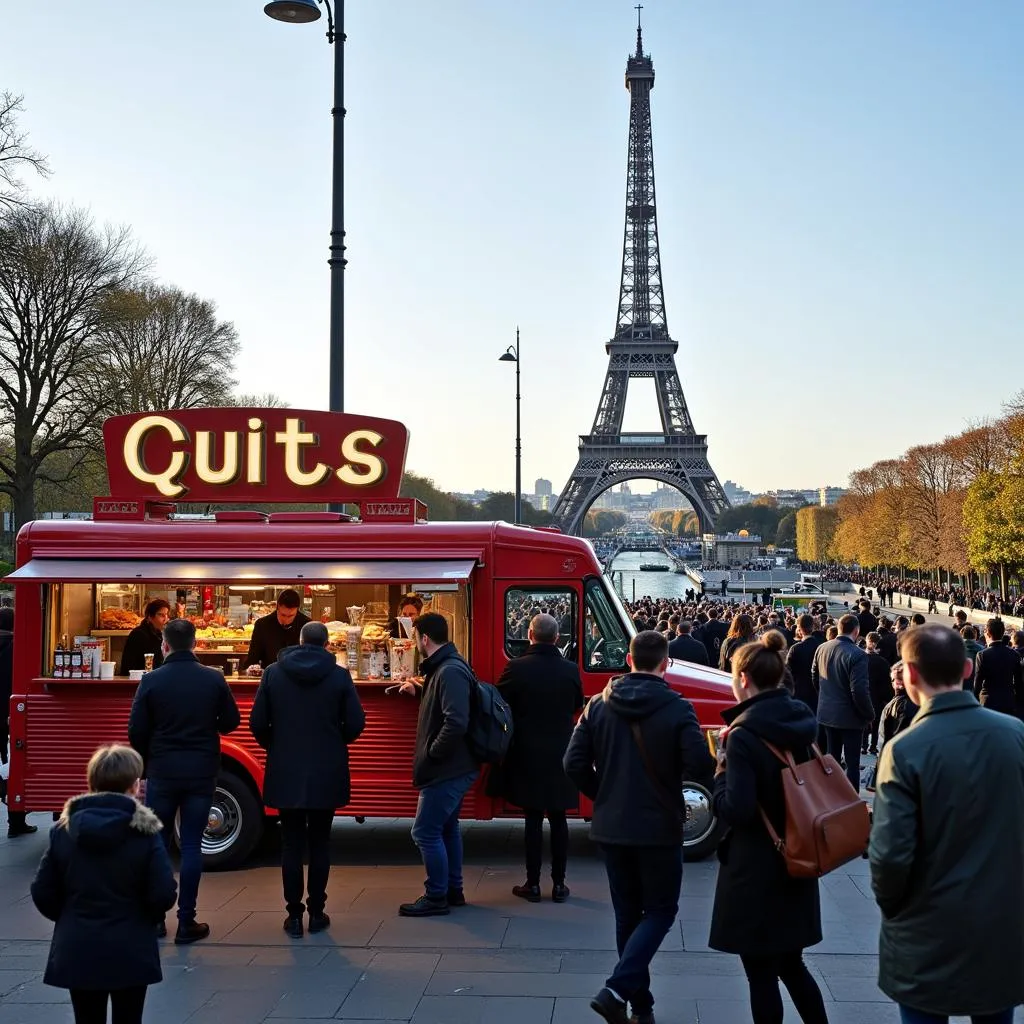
136 674
106 670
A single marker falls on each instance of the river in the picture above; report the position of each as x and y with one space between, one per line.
652 584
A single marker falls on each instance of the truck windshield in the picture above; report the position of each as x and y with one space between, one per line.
608 629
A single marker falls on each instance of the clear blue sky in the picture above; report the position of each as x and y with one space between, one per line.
840 191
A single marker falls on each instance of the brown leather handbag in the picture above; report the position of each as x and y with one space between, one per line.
827 823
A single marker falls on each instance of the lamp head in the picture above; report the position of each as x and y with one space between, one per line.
508 357
299 12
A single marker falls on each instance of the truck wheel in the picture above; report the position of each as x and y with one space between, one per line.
702 831
234 827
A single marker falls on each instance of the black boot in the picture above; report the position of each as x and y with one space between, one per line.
528 892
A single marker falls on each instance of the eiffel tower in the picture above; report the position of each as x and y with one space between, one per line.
641 347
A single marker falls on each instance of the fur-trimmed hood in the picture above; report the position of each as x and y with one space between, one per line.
105 820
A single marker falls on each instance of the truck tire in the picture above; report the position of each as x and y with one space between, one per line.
235 824
702 831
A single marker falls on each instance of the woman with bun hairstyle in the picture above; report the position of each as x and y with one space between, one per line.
760 912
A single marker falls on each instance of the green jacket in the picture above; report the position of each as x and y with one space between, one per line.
947 859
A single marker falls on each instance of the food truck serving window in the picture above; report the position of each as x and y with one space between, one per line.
380 597
522 603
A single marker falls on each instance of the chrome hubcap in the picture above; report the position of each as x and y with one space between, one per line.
223 823
700 818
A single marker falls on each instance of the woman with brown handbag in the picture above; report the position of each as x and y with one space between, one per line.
760 911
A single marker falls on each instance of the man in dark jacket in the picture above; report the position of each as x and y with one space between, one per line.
179 713
443 766
879 687
959 763
997 673
868 622
544 691
16 823
887 641
685 648
146 638
714 633
632 749
305 715
272 633
840 675
800 660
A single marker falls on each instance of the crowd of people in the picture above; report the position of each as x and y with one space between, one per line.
107 883
887 586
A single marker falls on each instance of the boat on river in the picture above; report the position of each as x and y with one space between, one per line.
654 567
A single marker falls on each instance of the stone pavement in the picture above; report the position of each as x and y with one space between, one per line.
497 961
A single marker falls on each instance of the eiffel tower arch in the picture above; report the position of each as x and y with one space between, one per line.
641 348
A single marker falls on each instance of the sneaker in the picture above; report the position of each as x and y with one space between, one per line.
559 892
606 1005
456 898
161 930
425 906
530 893
318 922
293 926
191 931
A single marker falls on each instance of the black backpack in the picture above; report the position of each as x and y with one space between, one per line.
490 723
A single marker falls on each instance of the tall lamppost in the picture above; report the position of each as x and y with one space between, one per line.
301 12
511 355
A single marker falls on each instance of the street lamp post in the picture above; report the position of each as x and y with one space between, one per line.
511 355
299 12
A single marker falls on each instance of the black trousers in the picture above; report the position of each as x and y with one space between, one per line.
763 976
299 830
91 1006
535 844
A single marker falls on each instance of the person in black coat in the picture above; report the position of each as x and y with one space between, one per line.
760 911
632 749
146 638
305 715
272 633
900 711
887 644
879 686
106 882
179 713
998 679
800 659
685 648
544 692
714 633
16 823
868 622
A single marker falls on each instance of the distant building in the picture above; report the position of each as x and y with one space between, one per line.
737 495
795 499
830 495
730 548
542 488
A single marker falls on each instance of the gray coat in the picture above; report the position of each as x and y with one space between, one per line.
947 860
840 675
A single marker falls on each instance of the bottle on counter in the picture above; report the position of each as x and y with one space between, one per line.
76 662
59 663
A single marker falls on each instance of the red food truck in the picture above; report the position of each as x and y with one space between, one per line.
86 582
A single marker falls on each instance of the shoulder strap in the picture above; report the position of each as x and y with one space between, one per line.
787 759
659 788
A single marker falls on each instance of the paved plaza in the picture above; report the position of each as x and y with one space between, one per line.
497 961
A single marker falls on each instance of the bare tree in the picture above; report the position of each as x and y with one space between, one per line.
163 349
263 400
16 155
57 272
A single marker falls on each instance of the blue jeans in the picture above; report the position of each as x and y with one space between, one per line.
644 882
436 832
911 1016
191 798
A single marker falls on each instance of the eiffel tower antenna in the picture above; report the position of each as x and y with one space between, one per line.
641 347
